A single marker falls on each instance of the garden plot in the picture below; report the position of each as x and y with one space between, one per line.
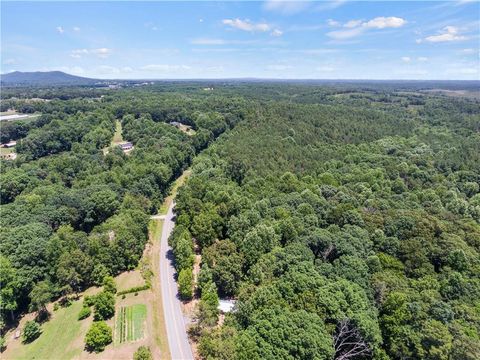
130 323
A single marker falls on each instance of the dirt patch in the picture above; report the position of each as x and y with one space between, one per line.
129 279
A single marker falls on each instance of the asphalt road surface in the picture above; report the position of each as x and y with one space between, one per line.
174 320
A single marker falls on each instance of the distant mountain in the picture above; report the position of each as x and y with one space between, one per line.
46 78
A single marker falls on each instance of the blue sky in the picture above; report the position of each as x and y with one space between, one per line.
269 39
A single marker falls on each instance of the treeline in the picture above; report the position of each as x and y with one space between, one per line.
344 231
71 214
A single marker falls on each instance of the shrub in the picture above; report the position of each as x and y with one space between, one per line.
142 353
109 285
89 300
2 343
84 313
98 336
56 307
134 289
31 331
104 306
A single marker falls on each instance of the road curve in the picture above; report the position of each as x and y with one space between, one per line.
174 321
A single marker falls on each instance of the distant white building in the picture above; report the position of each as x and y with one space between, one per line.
10 144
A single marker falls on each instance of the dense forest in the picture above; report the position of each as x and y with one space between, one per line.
343 218
73 213
347 225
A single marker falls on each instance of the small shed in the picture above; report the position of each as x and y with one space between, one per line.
10 144
126 146
226 306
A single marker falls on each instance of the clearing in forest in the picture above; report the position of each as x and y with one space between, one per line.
130 323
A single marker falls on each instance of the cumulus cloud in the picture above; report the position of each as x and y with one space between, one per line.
358 27
332 22
60 29
276 32
247 25
447 34
286 7
406 59
102 53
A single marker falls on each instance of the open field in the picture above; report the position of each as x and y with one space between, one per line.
63 330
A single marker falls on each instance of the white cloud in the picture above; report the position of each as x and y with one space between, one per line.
247 25
352 23
102 53
447 34
332 22
276 32
76 29
358 27
286 7
164 68
216 41
406 59
345 34
330 5
385 22
422 59
60 29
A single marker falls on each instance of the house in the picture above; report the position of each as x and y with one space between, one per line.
126 146
176 124
10 144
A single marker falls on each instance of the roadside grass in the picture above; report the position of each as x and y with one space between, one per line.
159 329
59 338
173 192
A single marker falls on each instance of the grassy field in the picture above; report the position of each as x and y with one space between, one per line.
117 137
130 322
58 339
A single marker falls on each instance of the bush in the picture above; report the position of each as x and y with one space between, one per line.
98 336
84 313
89 300
2 343
31 331
56 307
134 289
109 285
104 306
142 353
185 283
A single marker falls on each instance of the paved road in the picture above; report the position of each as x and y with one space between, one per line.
174 320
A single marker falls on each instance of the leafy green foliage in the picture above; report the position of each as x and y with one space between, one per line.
142 353
98 336
84 313
185 284
31 331
104 306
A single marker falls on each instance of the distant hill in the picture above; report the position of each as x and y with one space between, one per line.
46 78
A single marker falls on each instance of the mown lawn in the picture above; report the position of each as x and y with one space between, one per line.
62 337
